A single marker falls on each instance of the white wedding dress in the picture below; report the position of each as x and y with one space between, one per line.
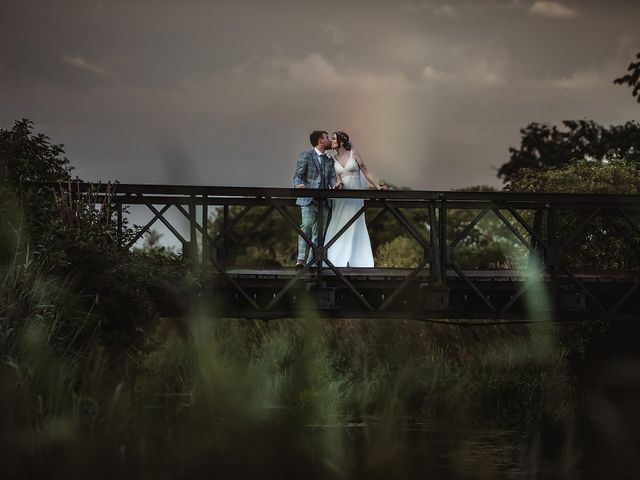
353 247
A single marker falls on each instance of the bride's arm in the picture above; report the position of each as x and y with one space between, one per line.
367 174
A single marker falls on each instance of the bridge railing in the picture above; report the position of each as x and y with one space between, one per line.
551 228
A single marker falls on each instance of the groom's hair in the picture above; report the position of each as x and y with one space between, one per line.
315 136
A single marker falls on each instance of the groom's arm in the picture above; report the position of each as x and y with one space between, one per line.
332 177
301 171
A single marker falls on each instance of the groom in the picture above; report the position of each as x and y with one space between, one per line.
313 170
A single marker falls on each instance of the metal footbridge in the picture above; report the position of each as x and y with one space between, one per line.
579 253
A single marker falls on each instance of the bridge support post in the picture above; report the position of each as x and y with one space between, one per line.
192 245
536 255
223 253
119 227
442 244
205 232
320 253
434 254
552 257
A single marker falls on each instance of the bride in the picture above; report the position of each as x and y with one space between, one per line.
353 247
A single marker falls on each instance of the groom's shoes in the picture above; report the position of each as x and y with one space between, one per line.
300 264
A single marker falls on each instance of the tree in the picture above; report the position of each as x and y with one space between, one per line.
545 146
632 78
25 157
599 245
401 252
73 240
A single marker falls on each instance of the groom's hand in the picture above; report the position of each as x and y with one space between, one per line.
339 185
300 186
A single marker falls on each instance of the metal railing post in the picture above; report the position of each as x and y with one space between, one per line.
553 255
320 253
537 252
193 237
434 265
442 241
205 232
119 233
223 253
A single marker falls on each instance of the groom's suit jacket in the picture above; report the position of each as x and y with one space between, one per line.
313 172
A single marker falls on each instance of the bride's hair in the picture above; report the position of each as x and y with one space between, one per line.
343 140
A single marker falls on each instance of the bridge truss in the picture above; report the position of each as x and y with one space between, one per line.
553 281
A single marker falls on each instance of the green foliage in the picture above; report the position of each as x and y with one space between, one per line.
544 146
632 78
399 252
611 176
600 245
25 157
72 237
81 244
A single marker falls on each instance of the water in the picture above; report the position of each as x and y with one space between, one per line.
411 448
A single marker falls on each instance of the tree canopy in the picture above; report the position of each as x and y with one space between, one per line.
547 146
632 78
29 157
600 244
614 175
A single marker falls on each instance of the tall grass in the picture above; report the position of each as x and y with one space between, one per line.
245 398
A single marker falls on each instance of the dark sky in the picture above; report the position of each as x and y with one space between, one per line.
225 93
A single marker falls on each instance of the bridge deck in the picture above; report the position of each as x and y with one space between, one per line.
500 295
393 273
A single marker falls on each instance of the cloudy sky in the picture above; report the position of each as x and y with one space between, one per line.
226 92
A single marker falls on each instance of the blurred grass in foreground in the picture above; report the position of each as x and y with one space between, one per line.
286 398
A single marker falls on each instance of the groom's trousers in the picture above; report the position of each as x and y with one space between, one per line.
309 226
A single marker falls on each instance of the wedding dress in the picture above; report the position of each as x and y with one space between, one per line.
353 247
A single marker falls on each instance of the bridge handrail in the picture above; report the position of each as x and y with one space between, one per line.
118 189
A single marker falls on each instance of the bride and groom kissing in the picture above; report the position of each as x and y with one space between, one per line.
332 162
